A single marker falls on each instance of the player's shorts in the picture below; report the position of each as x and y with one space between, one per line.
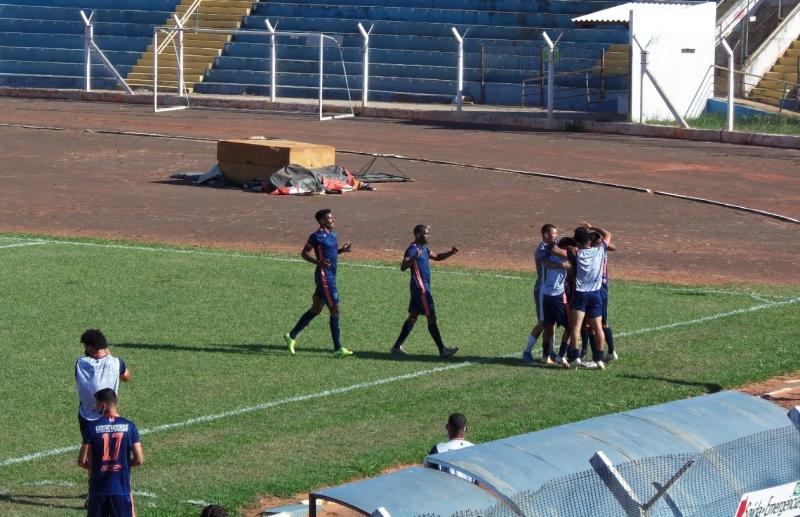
555 310
108 505
421 303
84 426
588 302
326 288
538 302
604 298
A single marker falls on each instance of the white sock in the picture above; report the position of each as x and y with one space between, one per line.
531 342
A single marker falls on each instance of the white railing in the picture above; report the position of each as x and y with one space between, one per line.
89 47
193 7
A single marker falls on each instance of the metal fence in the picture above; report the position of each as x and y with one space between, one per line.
711 485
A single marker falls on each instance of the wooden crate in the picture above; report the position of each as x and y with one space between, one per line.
245 160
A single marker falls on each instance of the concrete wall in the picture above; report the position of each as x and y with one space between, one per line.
679 40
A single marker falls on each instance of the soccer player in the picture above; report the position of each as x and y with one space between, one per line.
110 448
326 252
586 301
587 337
554 299
97 370
456 428
549 237
417 258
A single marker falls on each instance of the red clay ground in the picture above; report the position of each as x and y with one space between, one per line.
78 182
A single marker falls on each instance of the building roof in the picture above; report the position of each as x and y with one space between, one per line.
621 13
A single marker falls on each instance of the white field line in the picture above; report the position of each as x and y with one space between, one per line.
413 375
49 482
19 244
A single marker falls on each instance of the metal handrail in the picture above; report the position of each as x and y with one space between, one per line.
188 14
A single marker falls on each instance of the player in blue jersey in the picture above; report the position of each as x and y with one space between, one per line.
540 256
587 301
417 258
326 251
587 337
110 448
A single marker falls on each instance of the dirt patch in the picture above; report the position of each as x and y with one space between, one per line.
783 390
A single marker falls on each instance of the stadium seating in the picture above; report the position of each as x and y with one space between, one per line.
413 52
42 41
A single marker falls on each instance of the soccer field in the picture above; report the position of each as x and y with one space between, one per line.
227 414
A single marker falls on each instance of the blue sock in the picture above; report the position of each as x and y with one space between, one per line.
609 339
585 341
335 333
547 348
404 332
303 322
573 353
433 328
562 350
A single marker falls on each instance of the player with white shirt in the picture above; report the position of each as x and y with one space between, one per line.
456 427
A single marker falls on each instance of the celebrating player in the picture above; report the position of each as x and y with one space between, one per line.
417 258
111 447
326 251
549 237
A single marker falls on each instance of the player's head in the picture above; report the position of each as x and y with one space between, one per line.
456 426
567 242
421 233
213 510
583 237
549 233
105 400
596 238
325 218
93 340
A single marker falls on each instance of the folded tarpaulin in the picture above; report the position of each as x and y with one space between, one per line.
295 179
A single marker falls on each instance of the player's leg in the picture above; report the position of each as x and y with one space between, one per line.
433 328
598 352
305 319
611 350
527 354
332 302
408 326
576 322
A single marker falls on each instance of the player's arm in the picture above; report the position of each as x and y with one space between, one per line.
559 252
346 248
549 264
606 235
444 256
125 377
307 256
409 258
83 456
138 456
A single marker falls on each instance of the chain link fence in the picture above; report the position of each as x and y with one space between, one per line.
711 485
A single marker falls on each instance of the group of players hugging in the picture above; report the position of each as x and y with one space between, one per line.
571 291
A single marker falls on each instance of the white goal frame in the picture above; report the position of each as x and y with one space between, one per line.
311 37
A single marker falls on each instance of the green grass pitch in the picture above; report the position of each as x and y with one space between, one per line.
228 414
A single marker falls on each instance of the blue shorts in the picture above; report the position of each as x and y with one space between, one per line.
555 310
421 303
110 505
588 302
604 298
326 289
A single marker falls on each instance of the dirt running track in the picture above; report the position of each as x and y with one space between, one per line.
78 182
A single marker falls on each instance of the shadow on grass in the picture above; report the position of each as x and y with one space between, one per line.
434 358
32 500
711 387
249 348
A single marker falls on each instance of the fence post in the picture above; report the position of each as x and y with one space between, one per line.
603 75
88 36
155 69
729 51
273 61
551 69
365 66
460 87
541 78
483 74
321 71
181 79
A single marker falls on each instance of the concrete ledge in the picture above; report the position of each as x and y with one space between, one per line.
502 116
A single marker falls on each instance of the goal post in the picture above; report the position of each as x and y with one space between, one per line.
173 39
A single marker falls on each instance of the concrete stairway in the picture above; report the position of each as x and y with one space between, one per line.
200 50
780 82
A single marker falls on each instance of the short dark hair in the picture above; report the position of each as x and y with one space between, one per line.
582 236
457 422
565 242
596 237
95 339
320 215
548 228
106 395
418 228
214 510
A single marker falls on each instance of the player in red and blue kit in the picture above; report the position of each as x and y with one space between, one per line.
417 257
110 448
326 250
